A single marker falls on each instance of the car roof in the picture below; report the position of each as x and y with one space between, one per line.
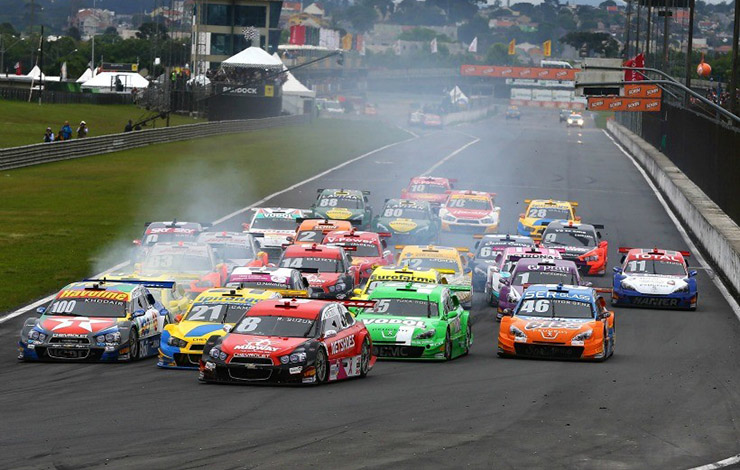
422 274
234 296
550 203
560 291
296 308
351 193
276 271
180 247
267 211
532 264
430 180
469 194
431 251
655 254
226 238
563 224
314 251
409 203
324 224
349 236
408 290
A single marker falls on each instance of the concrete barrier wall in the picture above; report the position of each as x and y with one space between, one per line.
717 234
467 116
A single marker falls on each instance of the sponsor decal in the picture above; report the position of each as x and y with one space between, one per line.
557 295
262 345
342 345
93 294
393 321
549 334
655 301
548 325
170 230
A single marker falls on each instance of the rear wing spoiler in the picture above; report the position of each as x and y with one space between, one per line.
143 282
459 288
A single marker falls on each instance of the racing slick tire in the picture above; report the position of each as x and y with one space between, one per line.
134 346
365 357
606 349
322 367
696 304
468 336
448 346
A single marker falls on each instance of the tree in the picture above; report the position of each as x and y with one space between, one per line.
498 54
599 43
74 33
7 28
151 30
110 31
362 17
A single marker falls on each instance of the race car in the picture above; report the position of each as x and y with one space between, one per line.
368 250
505 262
529 271
384 274
432 120
96 320
285 281
296 341
655 278
312 231
170 231
446 260
580 243
170 294
344 204
213 313
234 248
274 227
408 221
574 120
194 265
558 322
417 321
328 269
541 212
512 112
563 115
427 188
416 118
470 211
488 249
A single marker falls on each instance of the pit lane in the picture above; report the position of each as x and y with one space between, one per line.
667 399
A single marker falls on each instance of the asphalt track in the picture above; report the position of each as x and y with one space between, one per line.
667 399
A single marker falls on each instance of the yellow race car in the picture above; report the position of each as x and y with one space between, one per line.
445 260
541 212
383 274
213 313
174 299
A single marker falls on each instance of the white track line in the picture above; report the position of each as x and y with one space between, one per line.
694 250
38 303
445 159
720 464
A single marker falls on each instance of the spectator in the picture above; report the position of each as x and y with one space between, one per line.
49 135
66 131
119 85
60 135
82 130
129 127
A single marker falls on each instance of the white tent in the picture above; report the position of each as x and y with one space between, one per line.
292 86
200 80
86 75
35 73
458 96
106 81
252 57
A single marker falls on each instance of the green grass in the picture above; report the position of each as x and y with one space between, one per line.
66 220
25 123
601 117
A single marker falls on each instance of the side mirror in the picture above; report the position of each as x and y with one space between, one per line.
138 313
588 284
306 284
137 242
617 270
228 328
692 273
455 301
41 310
178 317
598 234
605 315
290 239
521 216
245 227
330 333
467 270
603 244
357 292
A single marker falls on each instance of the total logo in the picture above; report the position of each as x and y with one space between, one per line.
263 345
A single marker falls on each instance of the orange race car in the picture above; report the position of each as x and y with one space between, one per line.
312 231
558 322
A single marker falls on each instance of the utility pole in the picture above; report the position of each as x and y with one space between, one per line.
733 76
649 29
637 27
690 47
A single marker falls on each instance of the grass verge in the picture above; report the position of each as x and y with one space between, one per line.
66 220
25 123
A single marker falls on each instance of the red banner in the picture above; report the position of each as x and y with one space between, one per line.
613 103
297 35
634 75
534 73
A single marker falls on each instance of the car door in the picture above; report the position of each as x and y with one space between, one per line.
452 314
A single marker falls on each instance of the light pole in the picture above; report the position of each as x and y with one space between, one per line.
92 54
3 49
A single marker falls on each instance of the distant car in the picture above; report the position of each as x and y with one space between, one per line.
474 211
488 249
655 278
170 231
296 341
330 106
559 322
574 120
563 115
447 261
328 269
433 120
352 205
383 274
505 263
580 243
428 188
540 212
367 250
312 231
285 281
370 110
235 248
408 221
416 118
96 320
274 226
512 112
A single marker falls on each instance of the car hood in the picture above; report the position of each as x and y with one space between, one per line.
655 284
403 225
339 213
468 213
557 330
322 279
197 331
399 329
260 346
76 326
571 250
426 197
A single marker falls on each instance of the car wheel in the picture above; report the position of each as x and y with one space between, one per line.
468 338
448 346
322 367
134 347
696 304
605 348
365 358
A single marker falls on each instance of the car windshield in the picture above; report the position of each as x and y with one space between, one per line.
176 262
543 277
404 307
397 212
560 308
341 202
427 188
153 238
565 237
655 267
310 263
273 223
218 313
548 213
227 252
290 327
366 250
431 263
87 307
576 116
469 203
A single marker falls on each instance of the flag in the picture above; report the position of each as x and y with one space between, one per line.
512 47
18 68
397 47
297 35
473 47
347 42
433 46
547 48
64 71
324 38
639 63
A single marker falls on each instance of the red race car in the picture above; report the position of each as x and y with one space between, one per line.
368 249
427 188
328 269
297 341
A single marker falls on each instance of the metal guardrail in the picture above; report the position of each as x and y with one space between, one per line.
27 155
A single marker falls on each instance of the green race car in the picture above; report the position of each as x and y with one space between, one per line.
408 222
343 204
417 321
